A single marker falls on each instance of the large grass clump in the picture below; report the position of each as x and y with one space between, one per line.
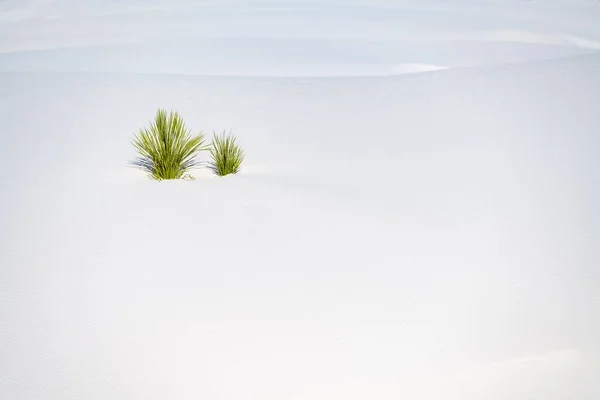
167 148
226 155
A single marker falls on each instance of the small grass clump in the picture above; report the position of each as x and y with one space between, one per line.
167 148
226 155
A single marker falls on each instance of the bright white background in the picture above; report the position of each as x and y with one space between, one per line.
417 216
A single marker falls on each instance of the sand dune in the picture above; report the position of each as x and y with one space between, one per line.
416 218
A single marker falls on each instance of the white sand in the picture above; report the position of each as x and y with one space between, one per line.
393 234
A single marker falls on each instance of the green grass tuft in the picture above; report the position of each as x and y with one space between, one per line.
226 154
167 148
